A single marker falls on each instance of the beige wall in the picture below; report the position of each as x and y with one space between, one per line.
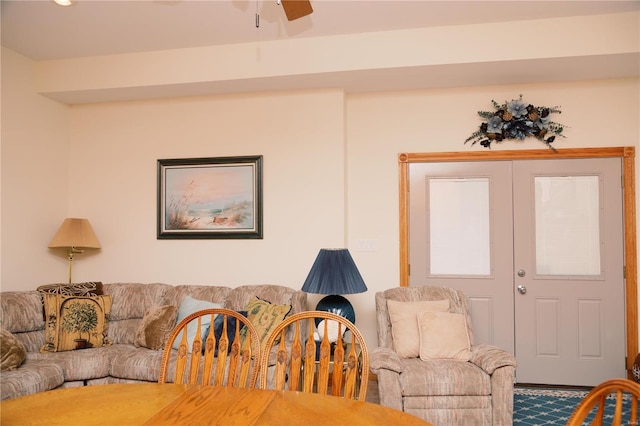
114 153
330 173
34 176
381 125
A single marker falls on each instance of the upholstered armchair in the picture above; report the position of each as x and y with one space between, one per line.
428 375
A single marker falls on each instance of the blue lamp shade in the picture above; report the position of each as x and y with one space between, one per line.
334 272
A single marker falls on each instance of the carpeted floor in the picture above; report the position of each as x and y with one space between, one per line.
537 406
533 406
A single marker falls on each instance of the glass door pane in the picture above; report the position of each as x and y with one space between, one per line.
567 223
459 226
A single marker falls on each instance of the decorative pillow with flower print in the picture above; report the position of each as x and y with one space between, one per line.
89 288
264 317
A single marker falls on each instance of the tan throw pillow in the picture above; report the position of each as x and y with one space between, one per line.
12 352
404 325
265 316
74 322
155 327
444 335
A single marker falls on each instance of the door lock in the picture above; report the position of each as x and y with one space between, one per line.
521 273
522 289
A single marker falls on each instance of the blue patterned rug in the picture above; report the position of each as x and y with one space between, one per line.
536 406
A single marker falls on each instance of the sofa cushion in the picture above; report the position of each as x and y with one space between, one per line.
188 306
216 294
133 300
131 363
81 364
12 352
21 311
443 378
443 335
404 323
124 331
70 318
33 376
155 327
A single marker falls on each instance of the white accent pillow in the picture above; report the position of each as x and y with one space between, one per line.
188 306
444 335
404 325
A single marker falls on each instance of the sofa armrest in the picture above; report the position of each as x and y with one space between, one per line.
386 364
384 359
489 357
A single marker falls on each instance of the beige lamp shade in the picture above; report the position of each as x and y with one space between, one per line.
75 232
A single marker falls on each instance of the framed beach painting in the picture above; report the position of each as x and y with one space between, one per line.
215 198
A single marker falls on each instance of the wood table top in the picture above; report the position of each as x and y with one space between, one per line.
169 404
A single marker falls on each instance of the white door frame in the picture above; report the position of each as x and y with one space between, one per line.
627 154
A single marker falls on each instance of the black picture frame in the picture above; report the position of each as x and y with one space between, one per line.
210 198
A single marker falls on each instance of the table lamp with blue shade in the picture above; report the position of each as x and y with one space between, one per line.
335 273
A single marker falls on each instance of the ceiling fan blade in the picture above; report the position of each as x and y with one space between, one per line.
295 9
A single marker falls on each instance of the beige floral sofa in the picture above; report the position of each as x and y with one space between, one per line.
122 359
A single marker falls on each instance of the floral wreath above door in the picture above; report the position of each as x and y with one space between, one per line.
517 120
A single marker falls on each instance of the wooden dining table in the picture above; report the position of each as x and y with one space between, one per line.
170 404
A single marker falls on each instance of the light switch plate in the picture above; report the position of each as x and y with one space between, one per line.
367 244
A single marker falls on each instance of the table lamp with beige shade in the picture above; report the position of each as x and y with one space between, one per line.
75 234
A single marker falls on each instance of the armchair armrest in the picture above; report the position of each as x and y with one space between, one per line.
489 357
384 359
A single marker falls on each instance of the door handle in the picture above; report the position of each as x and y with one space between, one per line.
522 289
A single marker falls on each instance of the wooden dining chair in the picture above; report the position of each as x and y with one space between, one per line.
336 364
232 358
597 397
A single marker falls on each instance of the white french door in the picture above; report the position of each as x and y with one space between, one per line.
461 236
537 247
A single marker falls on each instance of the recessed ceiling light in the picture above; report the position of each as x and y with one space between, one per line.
63 2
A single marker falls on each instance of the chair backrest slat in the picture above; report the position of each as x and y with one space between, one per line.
222 362
196 352
209 354
242 356
308 373
234 355
339 368
351 373
338 359
181 361
295 362
597 397
324 359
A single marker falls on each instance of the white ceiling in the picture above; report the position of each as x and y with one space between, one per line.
42 30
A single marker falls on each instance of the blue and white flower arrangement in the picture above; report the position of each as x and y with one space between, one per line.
517 120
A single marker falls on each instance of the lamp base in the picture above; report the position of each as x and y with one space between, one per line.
338 305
